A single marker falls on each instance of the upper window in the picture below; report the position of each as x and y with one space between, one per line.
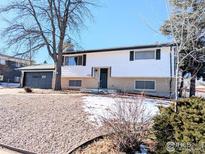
18 64
145 85
145 54
74 60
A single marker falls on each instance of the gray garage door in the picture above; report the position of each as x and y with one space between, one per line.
41 80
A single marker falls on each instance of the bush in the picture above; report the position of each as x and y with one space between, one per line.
28 90
129 122
185 127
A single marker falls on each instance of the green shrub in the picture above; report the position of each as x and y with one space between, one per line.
184 127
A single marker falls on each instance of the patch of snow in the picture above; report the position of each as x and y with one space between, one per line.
9 85
143 149
99 106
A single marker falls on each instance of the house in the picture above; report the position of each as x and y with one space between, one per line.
9 68
147 68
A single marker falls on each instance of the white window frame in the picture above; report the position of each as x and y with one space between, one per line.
145 51
145 89
74 86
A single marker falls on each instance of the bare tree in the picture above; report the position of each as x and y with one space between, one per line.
186 27
46 23
129 121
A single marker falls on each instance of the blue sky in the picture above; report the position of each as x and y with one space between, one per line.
119 23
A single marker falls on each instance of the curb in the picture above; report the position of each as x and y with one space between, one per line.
22 151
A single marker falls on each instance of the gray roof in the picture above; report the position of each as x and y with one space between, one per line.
121 48
39 67
13 58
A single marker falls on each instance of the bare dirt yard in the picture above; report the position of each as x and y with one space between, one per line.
43 122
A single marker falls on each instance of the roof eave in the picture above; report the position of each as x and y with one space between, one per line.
120 48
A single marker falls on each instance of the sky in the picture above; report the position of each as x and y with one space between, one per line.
118 23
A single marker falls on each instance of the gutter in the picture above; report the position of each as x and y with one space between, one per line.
118 49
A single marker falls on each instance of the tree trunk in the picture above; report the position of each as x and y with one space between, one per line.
181 84
192 86
181 87
58 71
57 76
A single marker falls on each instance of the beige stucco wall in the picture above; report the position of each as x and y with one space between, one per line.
125 84
86 82
128 85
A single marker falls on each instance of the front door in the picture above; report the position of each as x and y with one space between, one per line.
103 77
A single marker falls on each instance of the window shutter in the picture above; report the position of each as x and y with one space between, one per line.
92 72
110 71
84 60
158 54
131 55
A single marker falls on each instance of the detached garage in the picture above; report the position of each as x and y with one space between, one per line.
38 76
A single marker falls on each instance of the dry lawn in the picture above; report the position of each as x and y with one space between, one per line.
102 146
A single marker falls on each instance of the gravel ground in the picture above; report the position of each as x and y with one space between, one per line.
6 151
44 123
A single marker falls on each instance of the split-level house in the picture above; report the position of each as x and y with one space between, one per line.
147 68
9 68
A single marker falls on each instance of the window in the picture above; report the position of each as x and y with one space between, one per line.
16 79
75 83
145 85
18 64
1 77
145 54
74 60
2 62
43 76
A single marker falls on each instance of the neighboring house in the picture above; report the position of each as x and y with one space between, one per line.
9 68
147 68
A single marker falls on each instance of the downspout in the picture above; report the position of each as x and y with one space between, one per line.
170 82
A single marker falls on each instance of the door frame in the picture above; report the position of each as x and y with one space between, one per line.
106 78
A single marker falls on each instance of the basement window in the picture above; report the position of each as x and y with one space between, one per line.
75 83
74 60
145 85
